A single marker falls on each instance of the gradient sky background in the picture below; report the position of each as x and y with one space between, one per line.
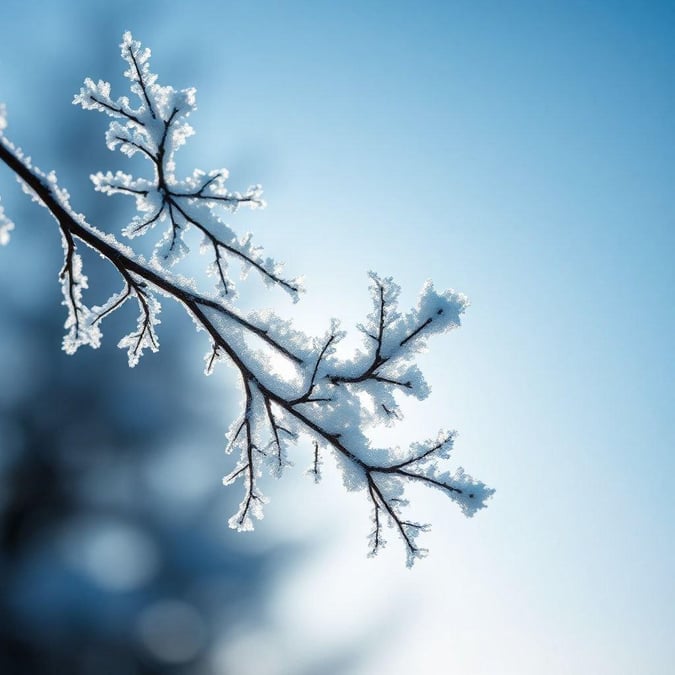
521 152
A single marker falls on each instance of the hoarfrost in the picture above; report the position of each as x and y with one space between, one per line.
6 225
294 386
80 326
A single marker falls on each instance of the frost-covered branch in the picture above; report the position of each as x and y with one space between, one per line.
330 400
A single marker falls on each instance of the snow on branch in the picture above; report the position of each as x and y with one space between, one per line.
154 127
331 401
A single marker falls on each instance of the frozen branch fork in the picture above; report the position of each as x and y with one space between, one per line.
331 401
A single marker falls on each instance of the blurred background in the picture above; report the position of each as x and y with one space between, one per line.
520 152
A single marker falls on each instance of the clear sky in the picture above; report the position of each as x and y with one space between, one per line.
521 152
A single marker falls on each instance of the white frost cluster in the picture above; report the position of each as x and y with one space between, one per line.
6 226
336 401
155 127
81 329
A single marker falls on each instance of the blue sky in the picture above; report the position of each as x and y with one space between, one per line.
521 152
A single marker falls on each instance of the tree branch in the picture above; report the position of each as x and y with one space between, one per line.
276 410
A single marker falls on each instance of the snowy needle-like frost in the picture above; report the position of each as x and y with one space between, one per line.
330 401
